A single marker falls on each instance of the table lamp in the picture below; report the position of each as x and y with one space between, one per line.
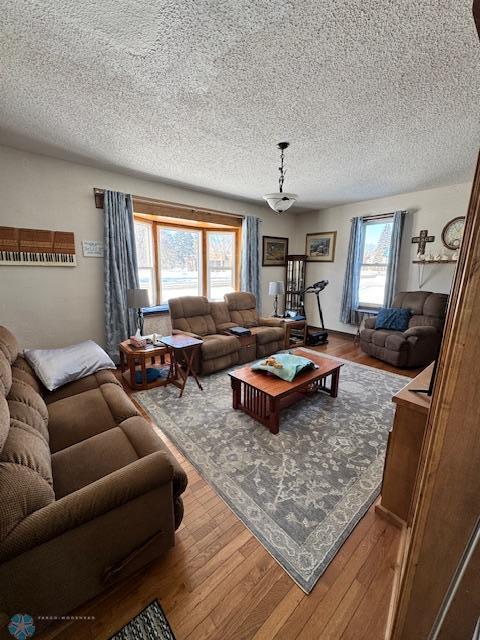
137 299
276 289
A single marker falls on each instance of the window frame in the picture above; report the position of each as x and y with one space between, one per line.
208 280
203 228
369 306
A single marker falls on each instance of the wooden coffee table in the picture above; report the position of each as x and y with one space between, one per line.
262 395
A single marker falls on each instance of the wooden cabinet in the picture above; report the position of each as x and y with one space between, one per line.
404 449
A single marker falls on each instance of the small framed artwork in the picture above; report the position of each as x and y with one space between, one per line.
320 247
275 251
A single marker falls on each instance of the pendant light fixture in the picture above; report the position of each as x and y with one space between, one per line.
281 201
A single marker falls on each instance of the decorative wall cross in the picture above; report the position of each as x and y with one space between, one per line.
422 240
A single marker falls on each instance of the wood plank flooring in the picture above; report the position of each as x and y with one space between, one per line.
219 583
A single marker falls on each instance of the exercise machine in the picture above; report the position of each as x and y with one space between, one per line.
318 336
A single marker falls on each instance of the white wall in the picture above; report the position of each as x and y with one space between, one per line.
49 307
429 209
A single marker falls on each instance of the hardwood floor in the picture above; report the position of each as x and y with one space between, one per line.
219 583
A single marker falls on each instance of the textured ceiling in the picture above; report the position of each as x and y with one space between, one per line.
375 96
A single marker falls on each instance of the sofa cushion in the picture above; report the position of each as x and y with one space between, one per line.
200 325
23 376
28 406
25 446
221 315
380 336
216 345
242 308
264 335
245 318
413 300
90 460
23 414
4 420
22 491
436 305
5 375
427 321
192 314
83 415
367 335
8 344
88 383
396 342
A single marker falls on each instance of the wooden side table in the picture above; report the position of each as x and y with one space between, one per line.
131 357
183 349
295 333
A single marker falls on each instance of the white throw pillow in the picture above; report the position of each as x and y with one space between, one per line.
56 367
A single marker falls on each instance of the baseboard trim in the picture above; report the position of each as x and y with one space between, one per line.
345 334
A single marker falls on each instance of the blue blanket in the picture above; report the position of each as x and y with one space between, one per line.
290 367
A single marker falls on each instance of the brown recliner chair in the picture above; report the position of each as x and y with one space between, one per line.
416 347
269 332
192 315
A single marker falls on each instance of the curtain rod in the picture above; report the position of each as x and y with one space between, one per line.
379 216
98 195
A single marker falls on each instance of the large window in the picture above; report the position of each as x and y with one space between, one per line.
375 254
176 260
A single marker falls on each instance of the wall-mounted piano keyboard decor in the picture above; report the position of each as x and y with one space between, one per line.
37 248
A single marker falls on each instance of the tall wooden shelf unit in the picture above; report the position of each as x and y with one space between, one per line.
295 283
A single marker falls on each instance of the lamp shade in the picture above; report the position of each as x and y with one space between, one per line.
280 202
276 288
137 298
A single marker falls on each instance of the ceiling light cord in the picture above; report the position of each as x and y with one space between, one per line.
283 171
281 201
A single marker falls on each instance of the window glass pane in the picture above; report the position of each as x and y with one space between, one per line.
143 243
145 277
372 284
179 258
220 264
376 251
377 243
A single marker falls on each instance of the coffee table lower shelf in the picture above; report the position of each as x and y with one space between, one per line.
266 408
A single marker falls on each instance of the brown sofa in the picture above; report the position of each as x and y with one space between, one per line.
416 347
192 315
88 492
269 332
210 321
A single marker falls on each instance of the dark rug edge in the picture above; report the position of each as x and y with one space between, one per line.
153 602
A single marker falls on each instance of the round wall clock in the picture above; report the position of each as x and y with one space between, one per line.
452 233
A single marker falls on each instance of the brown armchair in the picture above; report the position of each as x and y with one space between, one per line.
418 345
269 332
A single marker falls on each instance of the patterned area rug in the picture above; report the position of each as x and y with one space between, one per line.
150 624
300 492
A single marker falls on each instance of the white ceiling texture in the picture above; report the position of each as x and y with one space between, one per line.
376 97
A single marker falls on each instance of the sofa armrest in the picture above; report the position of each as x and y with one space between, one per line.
224 326
369 323
177 332
271 322
88 503
420 331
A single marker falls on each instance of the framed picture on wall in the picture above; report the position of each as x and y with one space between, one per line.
320 247
274 251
